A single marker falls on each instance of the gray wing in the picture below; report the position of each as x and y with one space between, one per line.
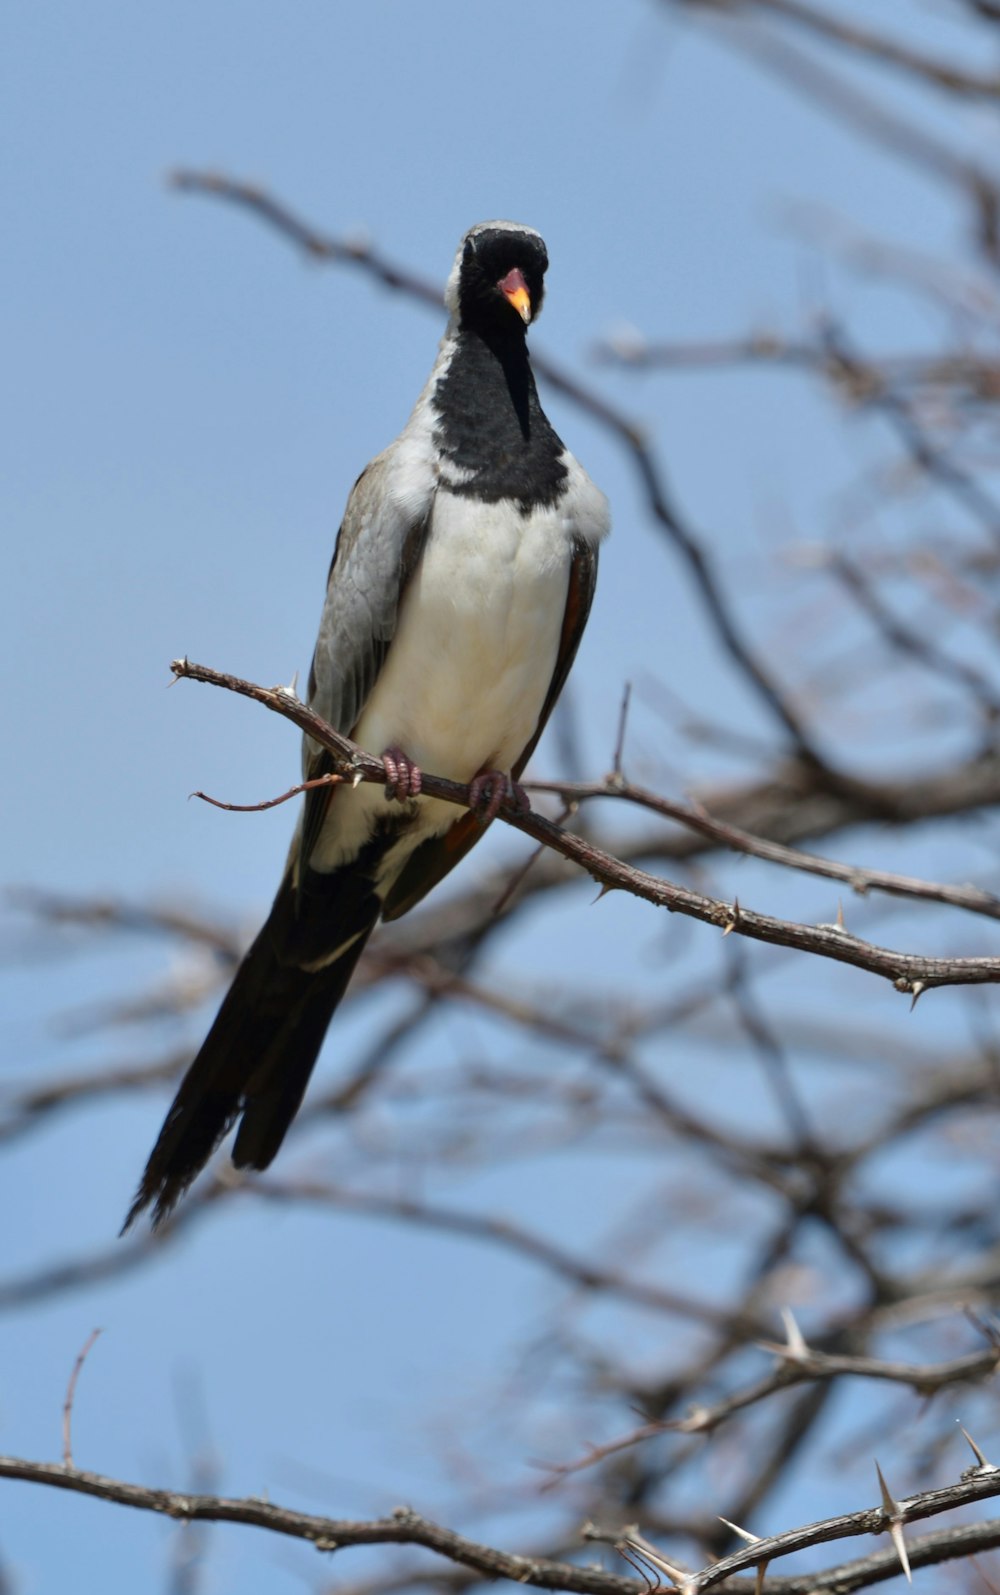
378 548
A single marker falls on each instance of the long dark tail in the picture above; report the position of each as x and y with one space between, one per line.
257 1058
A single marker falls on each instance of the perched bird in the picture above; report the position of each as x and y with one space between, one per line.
460 586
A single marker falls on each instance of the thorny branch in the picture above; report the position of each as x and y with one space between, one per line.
403 1527
981 1485
406 1527
860 879
909 972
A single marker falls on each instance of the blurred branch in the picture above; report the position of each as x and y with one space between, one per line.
797 1367
575 1271
912 643
114 913
862 42
21 1111
882 385
871 119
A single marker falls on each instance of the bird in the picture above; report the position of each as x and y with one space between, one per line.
461 582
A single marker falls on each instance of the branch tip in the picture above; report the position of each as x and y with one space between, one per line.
71 1395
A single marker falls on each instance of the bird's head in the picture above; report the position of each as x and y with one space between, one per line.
498 278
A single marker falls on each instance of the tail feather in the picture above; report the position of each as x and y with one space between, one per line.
257 1058
282 1074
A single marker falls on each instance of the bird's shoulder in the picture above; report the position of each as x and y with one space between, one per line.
583 508
394 492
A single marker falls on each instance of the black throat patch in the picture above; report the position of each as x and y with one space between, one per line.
492 426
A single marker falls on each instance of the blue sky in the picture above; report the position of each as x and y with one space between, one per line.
187 404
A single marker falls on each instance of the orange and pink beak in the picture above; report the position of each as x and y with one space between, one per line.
515 291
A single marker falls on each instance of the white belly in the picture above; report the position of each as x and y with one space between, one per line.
469 668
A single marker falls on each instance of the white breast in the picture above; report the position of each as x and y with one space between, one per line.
468 671
469 668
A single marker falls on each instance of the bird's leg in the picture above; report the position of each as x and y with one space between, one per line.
489 789
402 777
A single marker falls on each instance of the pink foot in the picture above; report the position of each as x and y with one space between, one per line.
402 777
489 789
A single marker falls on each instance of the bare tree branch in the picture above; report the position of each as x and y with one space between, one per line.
859 878
909 972
403 1527
406 1527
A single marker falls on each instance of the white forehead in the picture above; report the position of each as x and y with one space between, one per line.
451 286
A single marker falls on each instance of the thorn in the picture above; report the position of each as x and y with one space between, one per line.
890 1505
918 988
758 1583
642 1548
795 1348
796 1340
840 914
604 890
744 1534
734 918
696 1420
983 1463
896 1535
894 1512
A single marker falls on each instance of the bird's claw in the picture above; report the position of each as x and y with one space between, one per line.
491 788
403 778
